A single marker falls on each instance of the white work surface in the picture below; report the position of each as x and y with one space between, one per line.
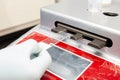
19 14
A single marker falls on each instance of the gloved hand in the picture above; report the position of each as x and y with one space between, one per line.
17 62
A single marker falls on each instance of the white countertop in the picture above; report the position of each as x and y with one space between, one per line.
19 14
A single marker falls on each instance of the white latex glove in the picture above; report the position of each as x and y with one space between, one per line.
16 64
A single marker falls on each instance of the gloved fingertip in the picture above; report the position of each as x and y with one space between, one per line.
43 45
31 45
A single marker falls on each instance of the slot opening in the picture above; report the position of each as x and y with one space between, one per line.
102 40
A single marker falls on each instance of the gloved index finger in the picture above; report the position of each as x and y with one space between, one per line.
41 63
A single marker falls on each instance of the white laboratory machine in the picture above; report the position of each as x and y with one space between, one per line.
85 45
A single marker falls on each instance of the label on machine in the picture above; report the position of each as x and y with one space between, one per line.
71 63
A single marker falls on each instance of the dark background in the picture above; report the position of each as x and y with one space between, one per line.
7 39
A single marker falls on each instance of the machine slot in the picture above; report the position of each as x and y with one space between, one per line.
96 40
